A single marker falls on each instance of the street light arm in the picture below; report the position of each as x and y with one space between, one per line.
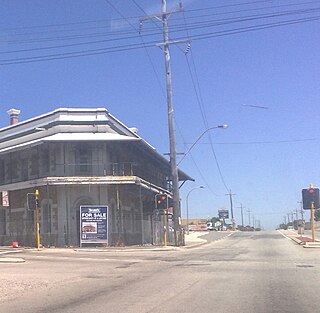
219 126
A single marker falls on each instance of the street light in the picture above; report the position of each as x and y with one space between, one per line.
223 126
187 200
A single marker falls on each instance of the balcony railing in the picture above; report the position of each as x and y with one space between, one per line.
84 169
80 169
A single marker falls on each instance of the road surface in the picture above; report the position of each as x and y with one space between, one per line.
258 272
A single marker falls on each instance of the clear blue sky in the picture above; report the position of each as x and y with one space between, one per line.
263 83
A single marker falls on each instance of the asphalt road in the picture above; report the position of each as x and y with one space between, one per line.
247 272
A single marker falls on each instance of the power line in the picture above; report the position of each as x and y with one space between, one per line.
63 25
90 21
200 101
144 45
151 43
245 10
175 29
262 142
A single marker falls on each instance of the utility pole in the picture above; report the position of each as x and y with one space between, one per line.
249 211
241 208
297 218
301 211
231 208
163 17
173 158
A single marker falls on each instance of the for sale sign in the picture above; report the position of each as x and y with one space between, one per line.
93 224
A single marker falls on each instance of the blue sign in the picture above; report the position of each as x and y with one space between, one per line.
93 224
223 213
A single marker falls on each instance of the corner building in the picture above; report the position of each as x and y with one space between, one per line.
79 157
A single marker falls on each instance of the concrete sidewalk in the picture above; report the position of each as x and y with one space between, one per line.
192 240
304 240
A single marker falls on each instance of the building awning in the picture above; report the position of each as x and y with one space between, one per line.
103 137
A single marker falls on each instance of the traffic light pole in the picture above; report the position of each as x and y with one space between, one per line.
165 227
37 220
312 221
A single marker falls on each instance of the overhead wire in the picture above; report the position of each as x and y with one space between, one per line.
264 142
200 101
136 17
174 28
145 46
118 48
179 129
88 22
206 9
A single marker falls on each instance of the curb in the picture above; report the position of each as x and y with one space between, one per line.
111 249
312 244
195 245
168 248
304 244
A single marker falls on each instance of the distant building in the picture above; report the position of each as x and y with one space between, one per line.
78 157
195 224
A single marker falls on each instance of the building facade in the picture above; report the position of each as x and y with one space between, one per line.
76 157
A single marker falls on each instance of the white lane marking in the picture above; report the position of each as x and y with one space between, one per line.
283 234
87 259
10 251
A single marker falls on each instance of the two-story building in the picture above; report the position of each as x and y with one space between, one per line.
78 157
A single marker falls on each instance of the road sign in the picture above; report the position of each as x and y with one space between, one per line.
5 198
223 213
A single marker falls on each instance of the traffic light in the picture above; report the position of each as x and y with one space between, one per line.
310 195
161 201
31 201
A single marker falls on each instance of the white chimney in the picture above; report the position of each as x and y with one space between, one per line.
14 116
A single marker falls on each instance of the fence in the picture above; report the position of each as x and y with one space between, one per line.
151 232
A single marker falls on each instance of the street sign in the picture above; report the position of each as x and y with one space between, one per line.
223 213
308 196
5 198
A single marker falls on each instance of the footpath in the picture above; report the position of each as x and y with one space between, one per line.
304 240
192 240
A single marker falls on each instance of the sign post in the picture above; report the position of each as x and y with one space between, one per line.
93 224
223 215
